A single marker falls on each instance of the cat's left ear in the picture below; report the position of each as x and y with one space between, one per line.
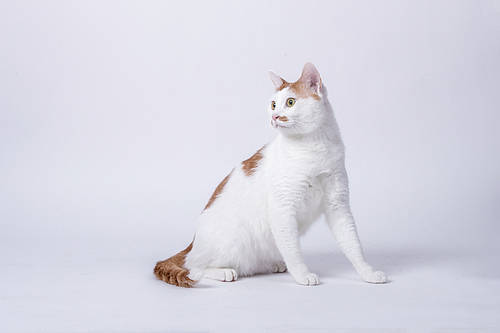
311 79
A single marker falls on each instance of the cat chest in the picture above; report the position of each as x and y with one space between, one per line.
310 162
309 208
313 194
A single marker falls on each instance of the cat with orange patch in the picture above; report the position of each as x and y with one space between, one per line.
253 221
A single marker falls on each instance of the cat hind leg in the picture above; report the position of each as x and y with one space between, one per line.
278 267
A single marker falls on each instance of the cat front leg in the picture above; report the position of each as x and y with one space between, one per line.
341 223
285 231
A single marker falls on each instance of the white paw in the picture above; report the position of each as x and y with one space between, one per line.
309 279
221 274
229 275
279 267
373 276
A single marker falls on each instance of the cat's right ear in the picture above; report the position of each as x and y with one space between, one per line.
276 79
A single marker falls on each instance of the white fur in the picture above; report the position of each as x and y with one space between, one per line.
255 223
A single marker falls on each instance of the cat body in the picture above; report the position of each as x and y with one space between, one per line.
253 221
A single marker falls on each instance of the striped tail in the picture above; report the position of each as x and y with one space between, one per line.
172 270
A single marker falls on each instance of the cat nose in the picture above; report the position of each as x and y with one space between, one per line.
275 116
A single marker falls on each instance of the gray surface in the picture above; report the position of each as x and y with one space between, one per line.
117 120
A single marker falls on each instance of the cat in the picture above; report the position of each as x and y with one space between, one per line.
253 220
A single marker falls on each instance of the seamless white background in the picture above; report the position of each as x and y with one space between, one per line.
118 119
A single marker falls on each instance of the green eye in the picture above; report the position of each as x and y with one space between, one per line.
273 105
290 102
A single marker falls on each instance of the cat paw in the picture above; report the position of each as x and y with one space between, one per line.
230 275
279 267
309 279
373 276
221 274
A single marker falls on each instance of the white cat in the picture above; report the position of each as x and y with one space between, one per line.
253 221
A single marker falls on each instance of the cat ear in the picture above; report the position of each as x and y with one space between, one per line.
277 80
310 78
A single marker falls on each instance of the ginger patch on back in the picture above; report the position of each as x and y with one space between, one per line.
218 191
250 165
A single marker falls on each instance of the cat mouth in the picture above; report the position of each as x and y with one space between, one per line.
279 124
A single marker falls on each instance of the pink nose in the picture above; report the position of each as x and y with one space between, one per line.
275 116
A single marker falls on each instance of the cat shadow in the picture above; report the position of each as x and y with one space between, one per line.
399 261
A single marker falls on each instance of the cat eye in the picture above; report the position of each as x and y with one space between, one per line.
273 105
290 102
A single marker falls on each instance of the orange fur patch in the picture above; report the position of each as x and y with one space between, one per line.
218 190
250 165
299 88
172 270
283 118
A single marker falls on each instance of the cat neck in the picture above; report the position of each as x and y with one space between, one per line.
317 136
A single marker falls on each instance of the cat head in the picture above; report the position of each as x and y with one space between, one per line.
298 107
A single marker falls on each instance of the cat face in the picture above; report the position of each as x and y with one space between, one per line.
297 108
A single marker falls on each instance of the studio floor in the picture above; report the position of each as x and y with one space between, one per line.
431 291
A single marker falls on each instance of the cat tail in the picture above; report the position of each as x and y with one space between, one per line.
172 270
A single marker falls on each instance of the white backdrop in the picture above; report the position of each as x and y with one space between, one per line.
118 119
